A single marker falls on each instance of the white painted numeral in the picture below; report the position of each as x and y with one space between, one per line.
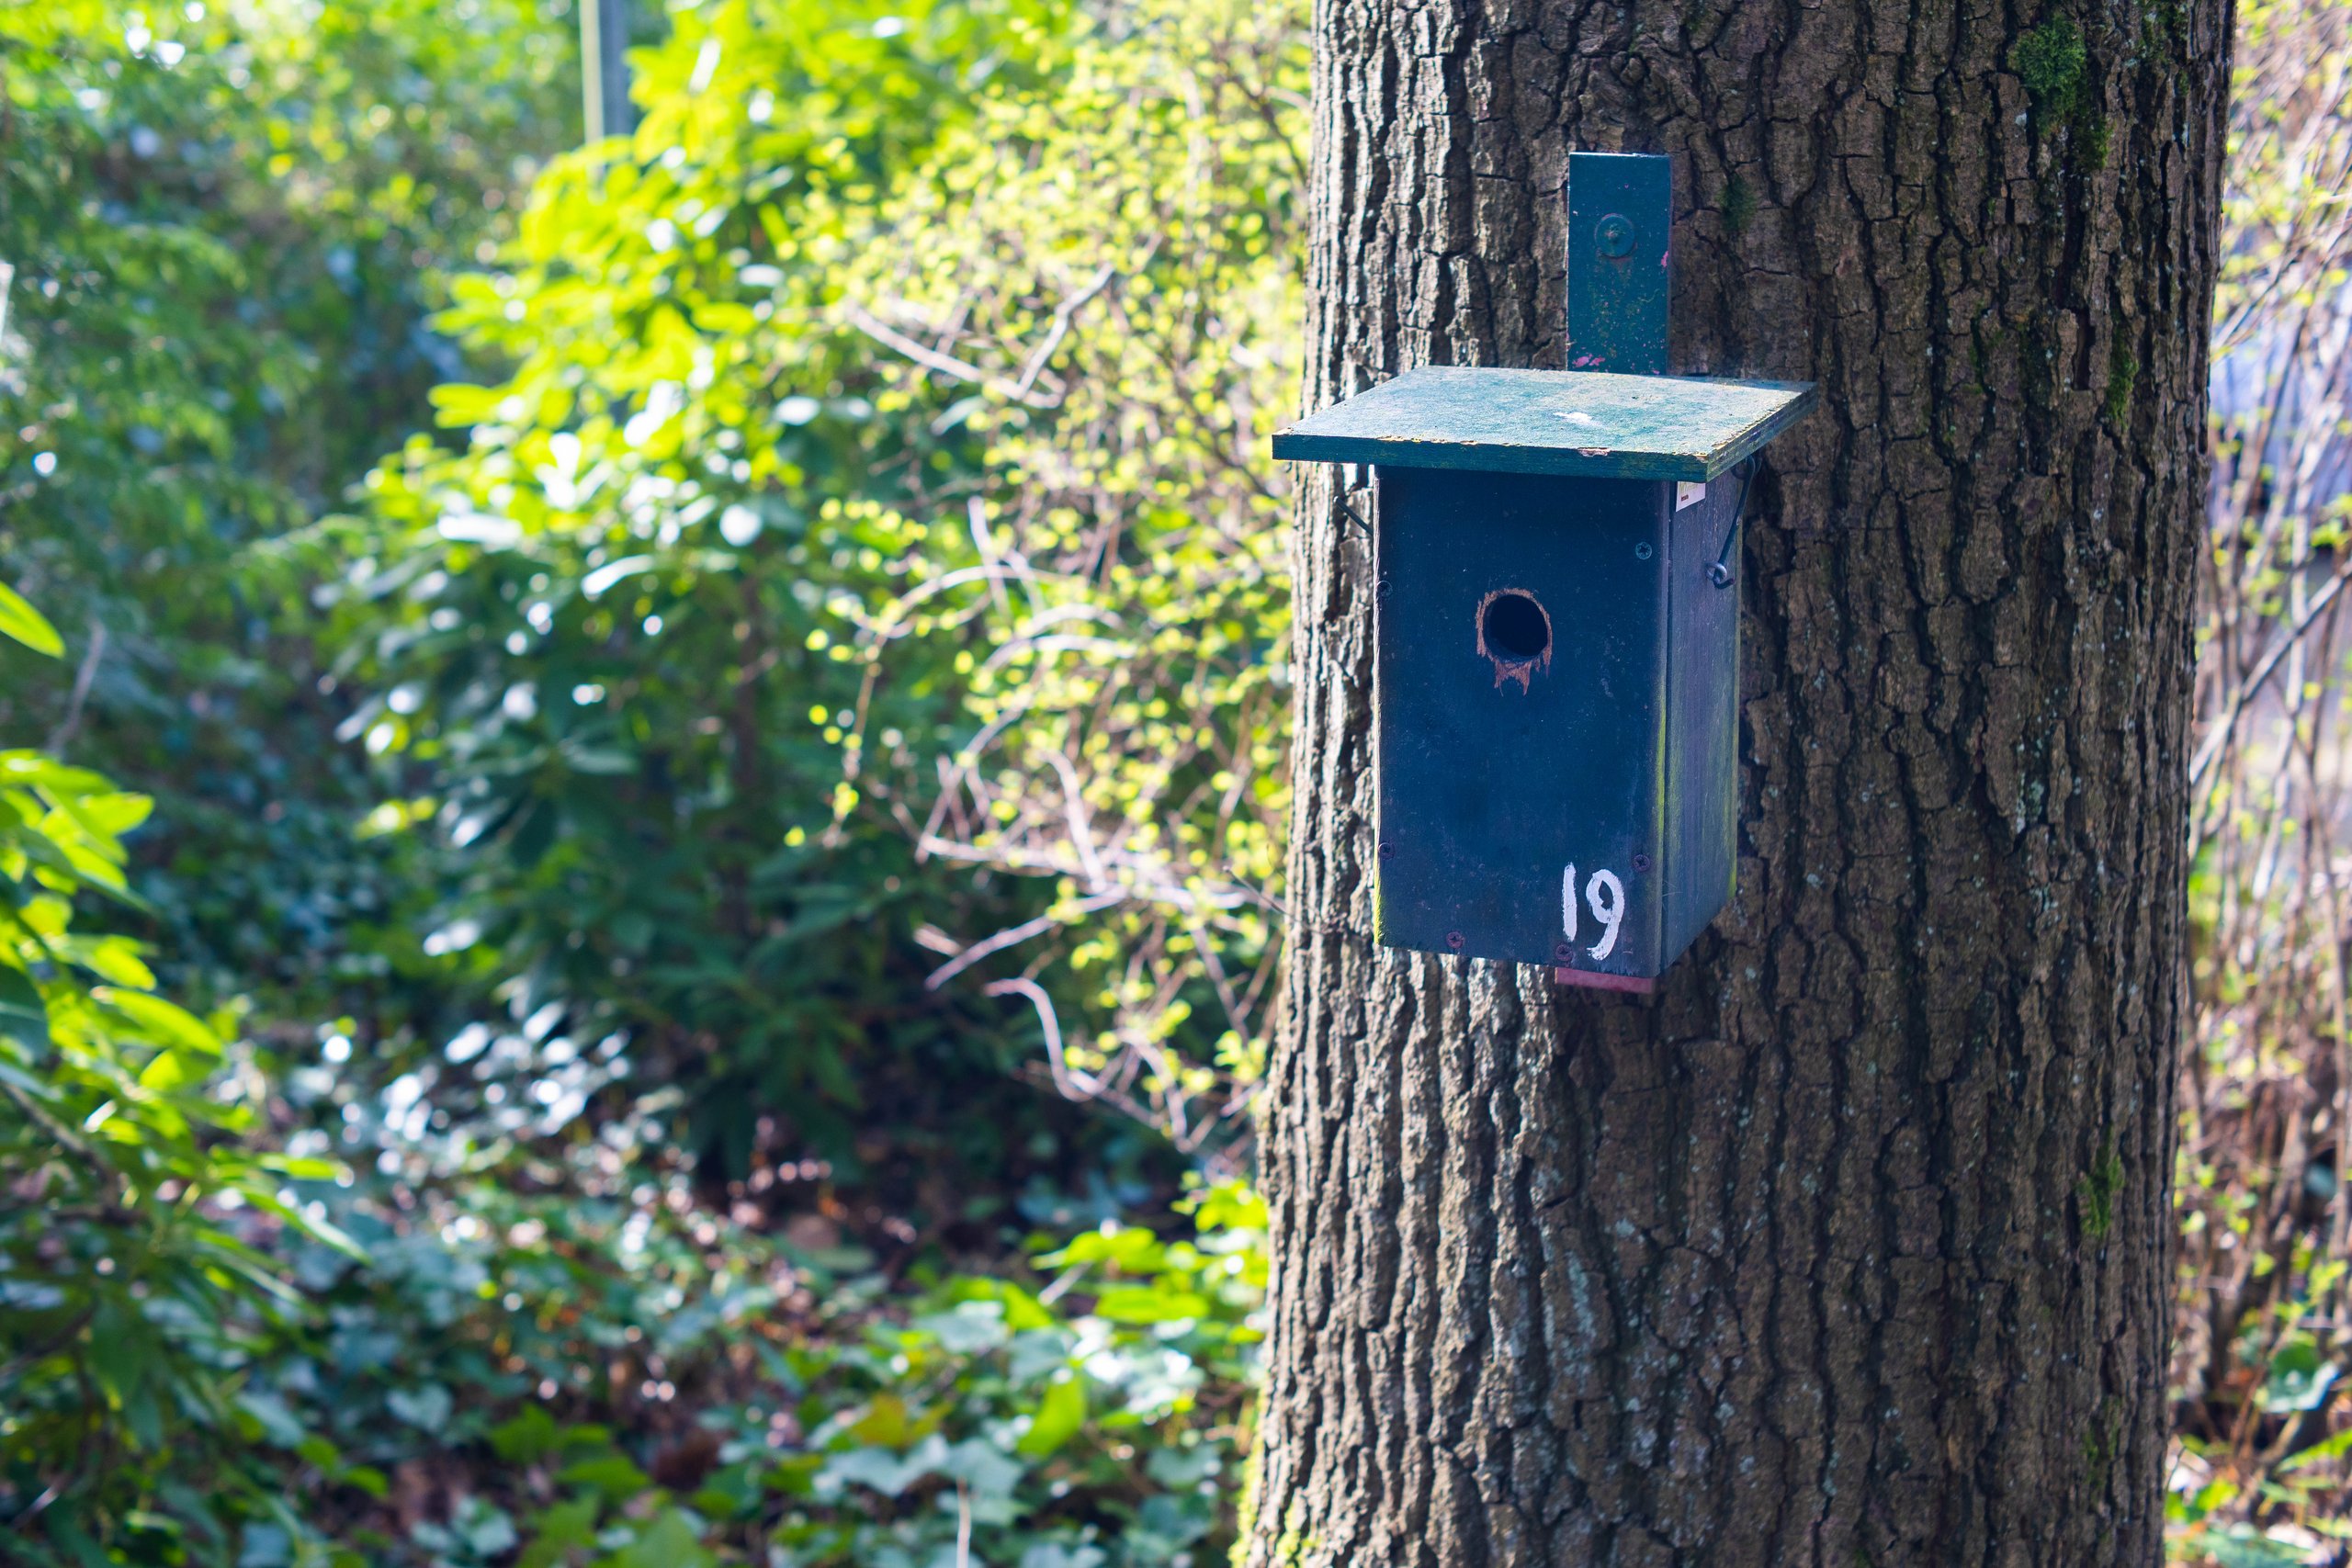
1612 914
1609 911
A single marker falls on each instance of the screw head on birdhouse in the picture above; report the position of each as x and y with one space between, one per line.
1557 650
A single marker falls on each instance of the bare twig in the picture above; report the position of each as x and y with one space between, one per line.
84 675
1014 936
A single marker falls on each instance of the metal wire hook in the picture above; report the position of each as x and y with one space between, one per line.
1723 573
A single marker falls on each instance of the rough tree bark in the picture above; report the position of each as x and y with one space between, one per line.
1851 1245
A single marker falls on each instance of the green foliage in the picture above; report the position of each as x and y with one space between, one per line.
595 636
21 622
746 620
854 555
134 1281
2260 1440
610 1380
223 228
1109 261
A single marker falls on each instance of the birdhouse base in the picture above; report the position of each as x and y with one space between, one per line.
1583 980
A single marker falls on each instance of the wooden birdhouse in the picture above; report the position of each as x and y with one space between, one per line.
1556 664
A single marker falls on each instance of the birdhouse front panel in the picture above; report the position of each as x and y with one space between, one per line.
1517 708
1554 718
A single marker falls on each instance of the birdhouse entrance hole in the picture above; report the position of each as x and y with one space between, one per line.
1515 634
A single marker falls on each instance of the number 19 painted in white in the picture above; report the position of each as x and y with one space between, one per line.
1610 912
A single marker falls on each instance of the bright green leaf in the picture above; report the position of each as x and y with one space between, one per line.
164 1021
27 624
1058 1418
1149 1303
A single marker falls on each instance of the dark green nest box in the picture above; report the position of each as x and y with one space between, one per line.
1556 651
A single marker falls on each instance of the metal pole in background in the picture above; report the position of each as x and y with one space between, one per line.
604 69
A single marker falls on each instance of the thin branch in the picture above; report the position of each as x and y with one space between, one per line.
83 677
1014 936
930 359
2218 737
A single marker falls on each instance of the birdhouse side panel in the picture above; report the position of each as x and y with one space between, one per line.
1703 717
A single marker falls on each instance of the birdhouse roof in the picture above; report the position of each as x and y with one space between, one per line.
1581 423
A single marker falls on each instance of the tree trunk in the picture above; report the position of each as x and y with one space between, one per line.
1851 1245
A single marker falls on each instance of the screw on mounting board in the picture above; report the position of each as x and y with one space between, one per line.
1642 551
1387 851
1563 952
1380 589
1614 235
1453 941
1641 863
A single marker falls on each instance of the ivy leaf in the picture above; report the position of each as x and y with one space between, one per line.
1058 1416
521 1440
559 1531
426 1407
612 1473
669 1542
1149 1303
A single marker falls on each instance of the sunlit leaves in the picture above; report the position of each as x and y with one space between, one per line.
221 223
1095 280
593 627
21 621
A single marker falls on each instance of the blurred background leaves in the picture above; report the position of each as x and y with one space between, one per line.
712 702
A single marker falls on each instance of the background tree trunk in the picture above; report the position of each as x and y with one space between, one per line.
1851 1245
